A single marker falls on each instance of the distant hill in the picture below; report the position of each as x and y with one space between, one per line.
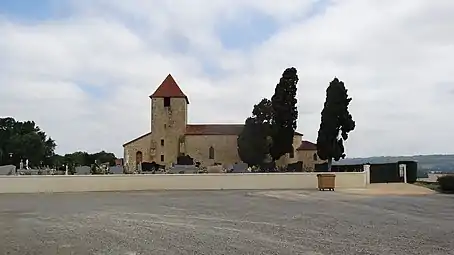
425 162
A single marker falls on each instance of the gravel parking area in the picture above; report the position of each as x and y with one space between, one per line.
225 222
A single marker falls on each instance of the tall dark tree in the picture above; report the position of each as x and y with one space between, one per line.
24 140
254 140
336 123
252 143
263 111
285 114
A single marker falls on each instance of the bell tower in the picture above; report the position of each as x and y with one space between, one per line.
169 113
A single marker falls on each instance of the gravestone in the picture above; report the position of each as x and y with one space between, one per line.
240 168
183 169
8 170
83 170
116 170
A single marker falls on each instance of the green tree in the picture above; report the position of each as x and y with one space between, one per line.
24 140
57 161
254 140
78 158
336 123
82 158
103 157
285 114
263 111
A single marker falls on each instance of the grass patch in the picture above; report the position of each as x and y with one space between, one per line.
430 185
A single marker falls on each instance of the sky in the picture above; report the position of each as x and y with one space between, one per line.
83 69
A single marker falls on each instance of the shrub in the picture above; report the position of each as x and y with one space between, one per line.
446 183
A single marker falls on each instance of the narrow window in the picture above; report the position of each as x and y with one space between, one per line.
291 154
166 101
139 157
162 158
162 142
211 153
315 156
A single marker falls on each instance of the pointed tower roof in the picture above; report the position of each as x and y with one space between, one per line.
169 88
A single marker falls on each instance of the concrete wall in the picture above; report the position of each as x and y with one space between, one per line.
264 181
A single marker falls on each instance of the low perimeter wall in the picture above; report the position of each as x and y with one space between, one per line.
258 181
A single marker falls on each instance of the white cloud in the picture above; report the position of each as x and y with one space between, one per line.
86 78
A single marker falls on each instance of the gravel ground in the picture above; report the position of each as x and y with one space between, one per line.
225 222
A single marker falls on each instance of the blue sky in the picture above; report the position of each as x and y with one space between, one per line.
242 33
253 27
64 62
29 10
249 28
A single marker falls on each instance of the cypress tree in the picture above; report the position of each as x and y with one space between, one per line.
285 114
336 123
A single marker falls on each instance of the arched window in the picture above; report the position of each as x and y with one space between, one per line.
139 157
211 153
315 157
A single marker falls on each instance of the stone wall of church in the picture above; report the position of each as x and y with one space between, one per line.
198 147
131 150
168 126
224 148
287 158
309 158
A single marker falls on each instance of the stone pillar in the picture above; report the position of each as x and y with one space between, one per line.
403 171
366 169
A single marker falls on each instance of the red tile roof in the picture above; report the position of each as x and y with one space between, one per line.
307 146
208 129
216 129
169 88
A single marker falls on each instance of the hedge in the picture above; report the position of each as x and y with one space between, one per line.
446 183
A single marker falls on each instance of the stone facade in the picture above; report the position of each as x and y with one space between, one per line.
290 158
168 127
307 152
171 136
223 149
137 150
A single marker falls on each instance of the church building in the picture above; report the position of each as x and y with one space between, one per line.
170 136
